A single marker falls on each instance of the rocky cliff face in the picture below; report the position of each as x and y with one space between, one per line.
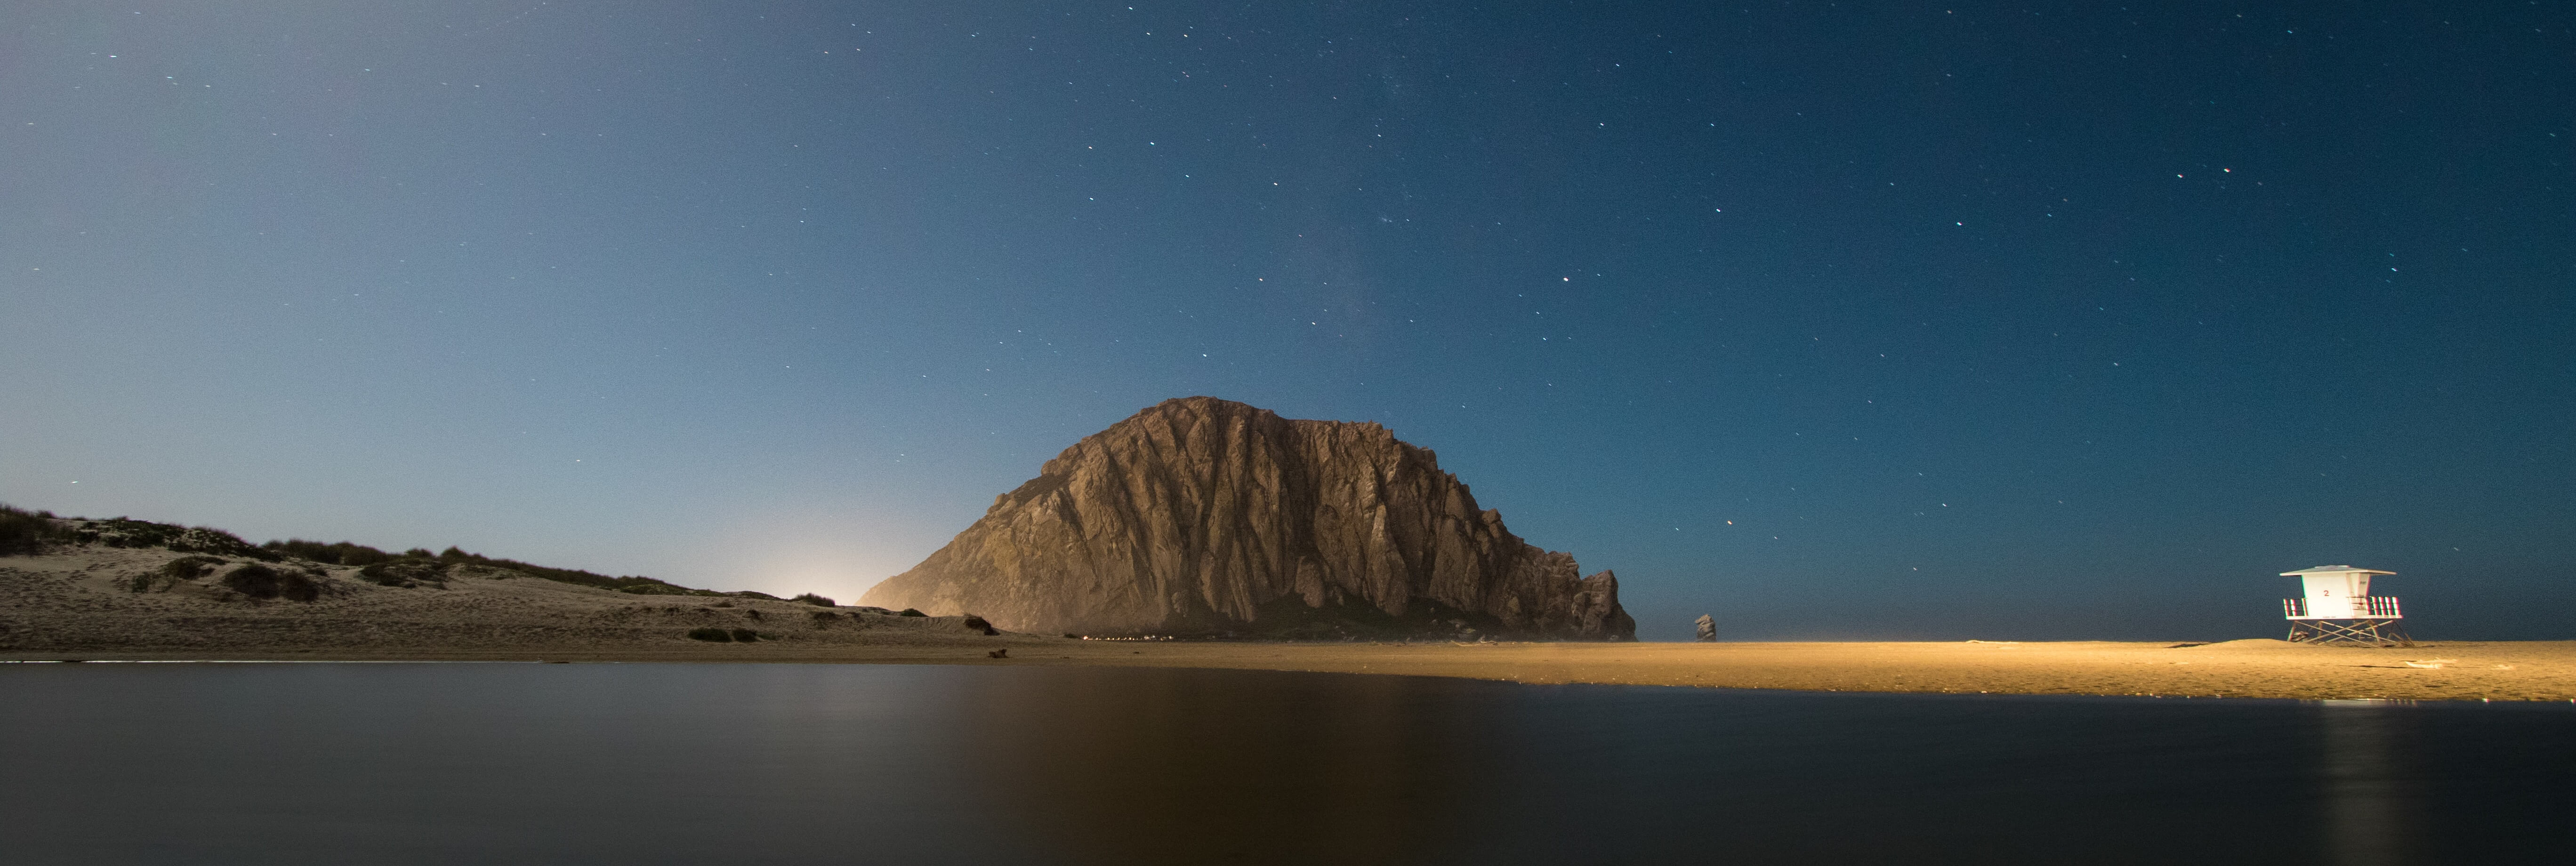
1201 515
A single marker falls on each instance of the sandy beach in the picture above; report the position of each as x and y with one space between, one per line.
2502 671
2246 668
80 605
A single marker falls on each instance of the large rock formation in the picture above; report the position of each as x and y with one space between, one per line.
1206 516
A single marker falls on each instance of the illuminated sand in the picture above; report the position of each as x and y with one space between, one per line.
71 606
2247 668
2252 668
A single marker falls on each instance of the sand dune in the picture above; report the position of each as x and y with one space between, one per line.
87 599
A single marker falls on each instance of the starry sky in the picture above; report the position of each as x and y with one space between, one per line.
1833 320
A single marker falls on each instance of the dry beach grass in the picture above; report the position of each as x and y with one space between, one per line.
82 602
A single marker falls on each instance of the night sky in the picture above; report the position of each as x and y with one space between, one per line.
1833 320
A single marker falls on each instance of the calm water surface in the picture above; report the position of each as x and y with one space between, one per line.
450 763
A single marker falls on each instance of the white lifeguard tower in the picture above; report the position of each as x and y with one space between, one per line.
2338 608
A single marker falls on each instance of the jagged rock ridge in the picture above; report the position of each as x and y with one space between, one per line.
1201 515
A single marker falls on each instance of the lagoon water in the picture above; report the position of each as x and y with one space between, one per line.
714 763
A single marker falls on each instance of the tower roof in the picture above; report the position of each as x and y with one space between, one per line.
2333 569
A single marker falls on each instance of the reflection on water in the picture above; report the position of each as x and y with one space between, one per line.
444 763
1181 766
2363 786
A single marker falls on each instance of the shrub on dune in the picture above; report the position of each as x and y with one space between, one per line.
190 567
404 572
23 531
260 581
337 553
173 573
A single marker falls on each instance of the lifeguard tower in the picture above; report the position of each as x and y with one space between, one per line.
2339 608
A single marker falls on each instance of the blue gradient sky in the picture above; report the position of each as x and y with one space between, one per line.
1974 321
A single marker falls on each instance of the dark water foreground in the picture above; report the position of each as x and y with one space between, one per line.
673 763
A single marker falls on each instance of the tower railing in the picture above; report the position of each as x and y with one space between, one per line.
2371 607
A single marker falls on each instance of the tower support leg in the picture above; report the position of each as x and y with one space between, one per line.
2371 631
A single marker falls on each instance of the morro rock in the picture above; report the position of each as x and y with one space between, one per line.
1206 516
